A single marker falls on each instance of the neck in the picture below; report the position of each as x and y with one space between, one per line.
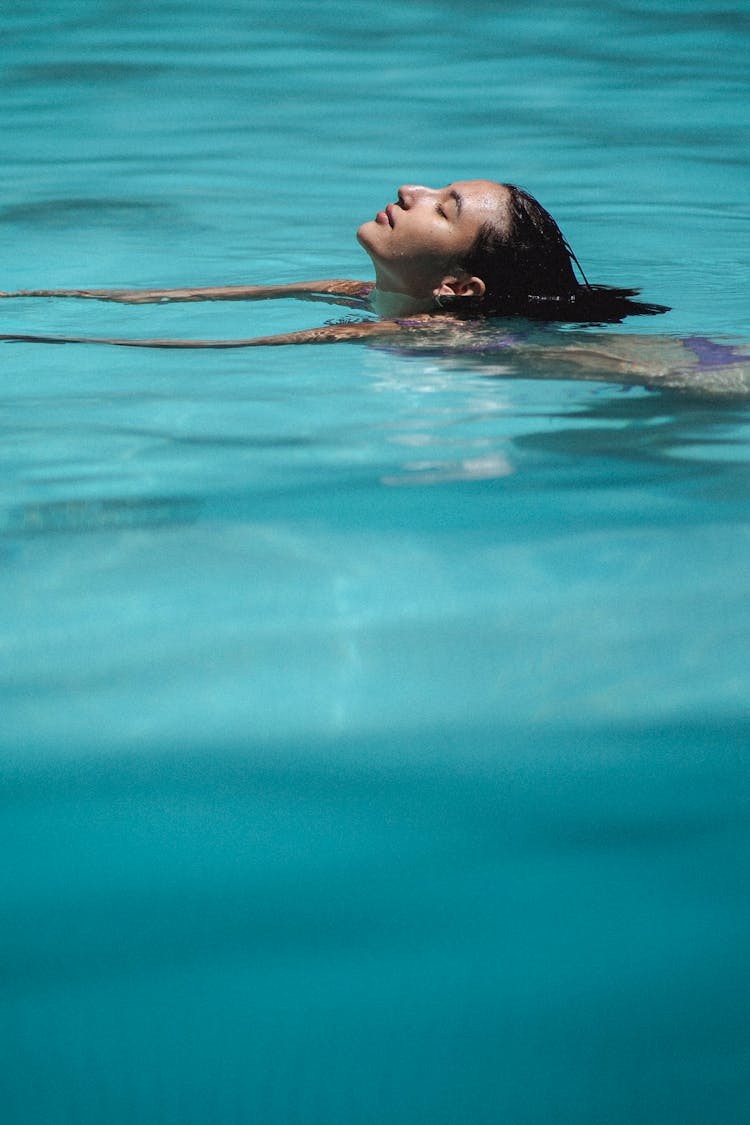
389 303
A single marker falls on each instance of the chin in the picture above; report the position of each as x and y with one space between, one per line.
363 234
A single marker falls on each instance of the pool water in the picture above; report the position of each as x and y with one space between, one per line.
374 726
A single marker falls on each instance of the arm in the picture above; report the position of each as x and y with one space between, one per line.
333 290
329 334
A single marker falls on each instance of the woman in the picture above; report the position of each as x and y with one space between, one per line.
447 259
469 250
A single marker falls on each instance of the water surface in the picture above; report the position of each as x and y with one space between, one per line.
374 726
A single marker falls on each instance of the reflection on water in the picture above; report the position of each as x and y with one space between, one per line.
435 472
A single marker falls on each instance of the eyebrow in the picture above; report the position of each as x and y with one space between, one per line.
459 201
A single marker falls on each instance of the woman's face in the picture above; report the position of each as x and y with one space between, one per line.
418 240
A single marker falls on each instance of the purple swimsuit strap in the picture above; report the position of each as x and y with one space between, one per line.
711 354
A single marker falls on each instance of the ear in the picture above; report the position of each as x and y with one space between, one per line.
460 287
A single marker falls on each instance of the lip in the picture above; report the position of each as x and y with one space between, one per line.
385 217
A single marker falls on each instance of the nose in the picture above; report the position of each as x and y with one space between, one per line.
409 194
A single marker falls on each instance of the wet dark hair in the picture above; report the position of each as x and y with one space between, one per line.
527 267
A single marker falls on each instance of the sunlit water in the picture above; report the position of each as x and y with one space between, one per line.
374 726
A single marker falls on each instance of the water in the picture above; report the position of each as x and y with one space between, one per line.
374 726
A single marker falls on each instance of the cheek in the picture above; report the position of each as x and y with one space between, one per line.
423 243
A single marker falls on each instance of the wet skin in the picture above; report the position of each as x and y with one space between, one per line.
417 243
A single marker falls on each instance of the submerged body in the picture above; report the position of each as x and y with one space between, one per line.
694 363
470 268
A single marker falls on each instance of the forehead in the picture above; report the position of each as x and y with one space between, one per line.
482 195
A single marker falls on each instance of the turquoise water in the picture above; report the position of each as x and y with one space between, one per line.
374 727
